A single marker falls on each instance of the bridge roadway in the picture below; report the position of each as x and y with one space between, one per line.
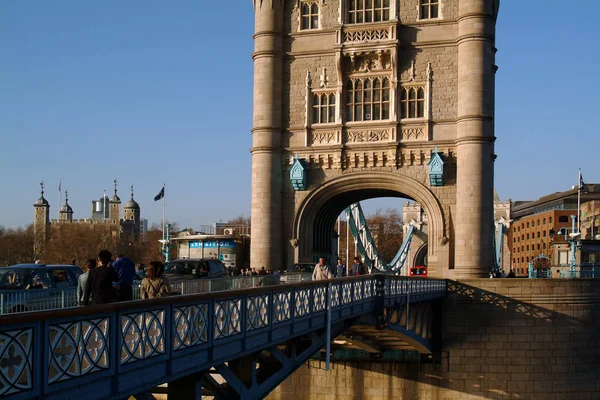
253 338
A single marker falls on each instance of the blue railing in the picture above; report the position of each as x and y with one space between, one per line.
18 301
116 350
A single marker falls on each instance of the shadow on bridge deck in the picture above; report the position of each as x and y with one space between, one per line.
502 339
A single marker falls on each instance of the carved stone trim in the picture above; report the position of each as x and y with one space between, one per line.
369 135
366 35
414 133
324 138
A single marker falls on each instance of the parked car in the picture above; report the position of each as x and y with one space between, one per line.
182 274
34 287
298 272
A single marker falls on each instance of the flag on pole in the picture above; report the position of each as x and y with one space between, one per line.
160 194
581 184
59 184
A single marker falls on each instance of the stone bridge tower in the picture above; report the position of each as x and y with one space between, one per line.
356 100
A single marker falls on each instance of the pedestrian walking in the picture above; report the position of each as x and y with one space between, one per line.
82 280
99 285
155 284
340 269
125 270
322 270
357 267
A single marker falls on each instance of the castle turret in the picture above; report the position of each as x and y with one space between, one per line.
66 212
266 134
132 215
115 207
41 222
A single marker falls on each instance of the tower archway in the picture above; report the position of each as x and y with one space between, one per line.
315 218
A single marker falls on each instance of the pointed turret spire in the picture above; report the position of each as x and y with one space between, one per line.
66 209
132 203
41 201
115 198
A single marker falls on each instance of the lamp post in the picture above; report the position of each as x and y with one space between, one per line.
166 242
575 234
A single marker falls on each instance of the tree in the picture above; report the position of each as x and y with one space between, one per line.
386 228
79 242
239 220
16 245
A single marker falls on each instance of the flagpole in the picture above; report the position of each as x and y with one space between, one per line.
59 200
579 203
163 220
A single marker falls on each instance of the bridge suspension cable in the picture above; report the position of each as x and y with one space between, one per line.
365 243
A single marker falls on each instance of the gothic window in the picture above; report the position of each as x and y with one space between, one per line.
412 102
323 108
368 99
310 15
430 9
360 11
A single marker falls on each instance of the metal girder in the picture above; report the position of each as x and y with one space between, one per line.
365 243
265 380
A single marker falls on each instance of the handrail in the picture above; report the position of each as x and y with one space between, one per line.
221 295
119 349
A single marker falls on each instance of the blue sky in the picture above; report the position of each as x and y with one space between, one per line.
154 92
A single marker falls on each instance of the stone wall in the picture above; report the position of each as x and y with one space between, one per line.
503 339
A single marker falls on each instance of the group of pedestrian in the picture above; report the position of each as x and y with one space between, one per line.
502 274
253 272
106 281
324 271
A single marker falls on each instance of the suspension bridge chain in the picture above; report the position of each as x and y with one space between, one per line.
365 243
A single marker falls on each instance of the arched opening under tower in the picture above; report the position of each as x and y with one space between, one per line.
316 218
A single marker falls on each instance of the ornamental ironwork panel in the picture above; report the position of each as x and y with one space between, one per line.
143 335
367 289
357 291
228 318
191 326
282 307
302 302
319 299
335 295
346 292
258 312
16 361
78 349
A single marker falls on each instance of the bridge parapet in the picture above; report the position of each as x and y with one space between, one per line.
117 350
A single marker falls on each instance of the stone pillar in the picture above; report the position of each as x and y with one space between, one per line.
475 139
267 242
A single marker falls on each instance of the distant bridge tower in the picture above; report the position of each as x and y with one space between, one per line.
358 100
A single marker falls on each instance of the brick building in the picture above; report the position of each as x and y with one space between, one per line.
535 225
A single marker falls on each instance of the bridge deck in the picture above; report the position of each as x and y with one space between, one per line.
116 350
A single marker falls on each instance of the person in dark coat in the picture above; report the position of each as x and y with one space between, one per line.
125 271
99 285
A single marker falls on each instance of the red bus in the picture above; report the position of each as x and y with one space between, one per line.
419 270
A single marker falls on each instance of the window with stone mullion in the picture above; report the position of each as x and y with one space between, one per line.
368 99
323 108
412 102
430 9
310 15
365 11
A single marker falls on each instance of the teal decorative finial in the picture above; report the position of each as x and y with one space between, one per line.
115 182
42 186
